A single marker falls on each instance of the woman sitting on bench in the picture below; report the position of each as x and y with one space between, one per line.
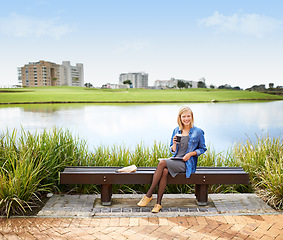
185 155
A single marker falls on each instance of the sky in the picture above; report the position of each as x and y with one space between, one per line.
235 42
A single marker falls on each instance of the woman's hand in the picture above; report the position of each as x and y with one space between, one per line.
175 139
189 155
174 146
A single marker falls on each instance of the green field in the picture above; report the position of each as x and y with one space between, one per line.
77 94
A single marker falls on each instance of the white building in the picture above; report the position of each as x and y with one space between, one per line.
138 79
71 75
172 83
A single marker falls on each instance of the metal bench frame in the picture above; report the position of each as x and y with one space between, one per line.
106 176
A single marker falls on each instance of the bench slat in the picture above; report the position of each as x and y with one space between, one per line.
141 169
86 168
143 175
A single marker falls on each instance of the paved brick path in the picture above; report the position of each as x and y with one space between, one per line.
227 216
194 227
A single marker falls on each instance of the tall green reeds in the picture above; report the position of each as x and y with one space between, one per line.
21 181
30 166
270 185
252 155
263 160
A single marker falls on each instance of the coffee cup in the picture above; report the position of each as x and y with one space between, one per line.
179 136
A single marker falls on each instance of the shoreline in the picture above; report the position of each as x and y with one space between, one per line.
140 101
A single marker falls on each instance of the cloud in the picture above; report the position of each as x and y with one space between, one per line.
132 46
240 23
24 26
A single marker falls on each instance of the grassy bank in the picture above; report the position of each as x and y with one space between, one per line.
76 94
30 163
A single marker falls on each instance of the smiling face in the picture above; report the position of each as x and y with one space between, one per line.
185 118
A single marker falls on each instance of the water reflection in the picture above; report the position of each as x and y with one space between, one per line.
223 123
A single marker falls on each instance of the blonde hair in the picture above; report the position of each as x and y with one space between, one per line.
181 111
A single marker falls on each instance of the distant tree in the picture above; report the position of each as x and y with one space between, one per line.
188 85
226 86
236 88
181 84
212 86
89 85
271 85
127 82
201 84
259 88
53 82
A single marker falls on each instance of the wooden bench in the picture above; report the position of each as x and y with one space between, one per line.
106 176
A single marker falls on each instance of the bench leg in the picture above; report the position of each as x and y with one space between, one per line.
106 194
201 192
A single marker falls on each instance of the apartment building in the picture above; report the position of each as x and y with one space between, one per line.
38 74
138 79
44 73
72 75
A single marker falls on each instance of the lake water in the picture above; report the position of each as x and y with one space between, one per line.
130 124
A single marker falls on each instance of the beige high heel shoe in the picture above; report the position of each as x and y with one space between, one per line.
157 208
144 201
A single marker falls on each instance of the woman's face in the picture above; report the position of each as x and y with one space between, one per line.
186 118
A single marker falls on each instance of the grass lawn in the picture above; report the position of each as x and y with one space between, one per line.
77 94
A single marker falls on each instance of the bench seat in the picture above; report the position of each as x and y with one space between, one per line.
106 176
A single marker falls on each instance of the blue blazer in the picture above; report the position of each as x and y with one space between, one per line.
196 143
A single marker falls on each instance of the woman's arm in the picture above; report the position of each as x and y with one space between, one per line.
201 146
200 149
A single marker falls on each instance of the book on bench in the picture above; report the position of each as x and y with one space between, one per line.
171 158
